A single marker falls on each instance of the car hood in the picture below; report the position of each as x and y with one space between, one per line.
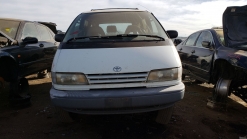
103 60
6 36
235 26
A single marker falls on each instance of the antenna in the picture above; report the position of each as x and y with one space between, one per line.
143 7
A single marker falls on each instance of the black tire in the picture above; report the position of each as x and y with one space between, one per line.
164 115
8 70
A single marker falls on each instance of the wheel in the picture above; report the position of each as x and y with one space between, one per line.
222 90
164 115
19 93
8 70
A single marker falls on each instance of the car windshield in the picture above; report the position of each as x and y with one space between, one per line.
117 26
220 35
9 27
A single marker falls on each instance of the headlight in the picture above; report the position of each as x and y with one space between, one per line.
69 78
165 75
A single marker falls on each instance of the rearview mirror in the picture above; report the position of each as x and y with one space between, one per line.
59 37
172 33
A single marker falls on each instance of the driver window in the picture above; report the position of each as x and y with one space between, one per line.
205 36
192 38
29 30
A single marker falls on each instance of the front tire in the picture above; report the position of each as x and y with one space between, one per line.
164 115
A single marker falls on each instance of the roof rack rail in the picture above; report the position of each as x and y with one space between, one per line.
113 9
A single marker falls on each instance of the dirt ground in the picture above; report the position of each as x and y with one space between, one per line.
191 119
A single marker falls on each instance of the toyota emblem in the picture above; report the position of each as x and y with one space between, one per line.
117 69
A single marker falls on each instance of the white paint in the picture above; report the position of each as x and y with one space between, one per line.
103 60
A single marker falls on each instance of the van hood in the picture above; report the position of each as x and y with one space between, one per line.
235 26
103 60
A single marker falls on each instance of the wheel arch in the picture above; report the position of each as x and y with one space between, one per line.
7 61
224 69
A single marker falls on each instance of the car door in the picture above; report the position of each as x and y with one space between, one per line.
29 55
48 46
200 66
185 51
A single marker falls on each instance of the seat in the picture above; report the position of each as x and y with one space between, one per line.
111 30
95 31
132 29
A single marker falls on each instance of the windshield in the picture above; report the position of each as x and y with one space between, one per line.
220 35
9 27
117 26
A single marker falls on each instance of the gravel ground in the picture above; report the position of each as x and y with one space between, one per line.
191 119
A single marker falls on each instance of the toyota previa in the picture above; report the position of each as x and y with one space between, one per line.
117 61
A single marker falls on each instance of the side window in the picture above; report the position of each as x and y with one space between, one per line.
205 36
29 30
44 34
192 38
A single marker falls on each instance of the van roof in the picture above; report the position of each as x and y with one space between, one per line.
114 10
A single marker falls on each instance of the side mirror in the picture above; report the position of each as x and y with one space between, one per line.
29 40
206 44
172 33
59 37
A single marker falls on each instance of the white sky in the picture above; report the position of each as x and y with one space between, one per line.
185 16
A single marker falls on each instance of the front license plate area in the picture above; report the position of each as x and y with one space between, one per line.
118 102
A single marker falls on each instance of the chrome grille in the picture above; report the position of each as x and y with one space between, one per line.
138 77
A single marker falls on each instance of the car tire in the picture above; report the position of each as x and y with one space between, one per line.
164 115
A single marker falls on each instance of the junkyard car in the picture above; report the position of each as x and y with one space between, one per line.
219 55
115 61
25 48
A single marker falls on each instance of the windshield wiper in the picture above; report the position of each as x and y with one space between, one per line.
119 35
85 37
136 35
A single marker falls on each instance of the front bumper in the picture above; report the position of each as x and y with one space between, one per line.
117 101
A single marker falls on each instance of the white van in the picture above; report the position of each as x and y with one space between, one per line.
117 61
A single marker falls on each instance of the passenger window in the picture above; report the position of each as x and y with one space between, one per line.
205 36
192 38
29 30
44 34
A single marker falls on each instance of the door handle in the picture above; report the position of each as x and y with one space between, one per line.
180 49
193 51
41 45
